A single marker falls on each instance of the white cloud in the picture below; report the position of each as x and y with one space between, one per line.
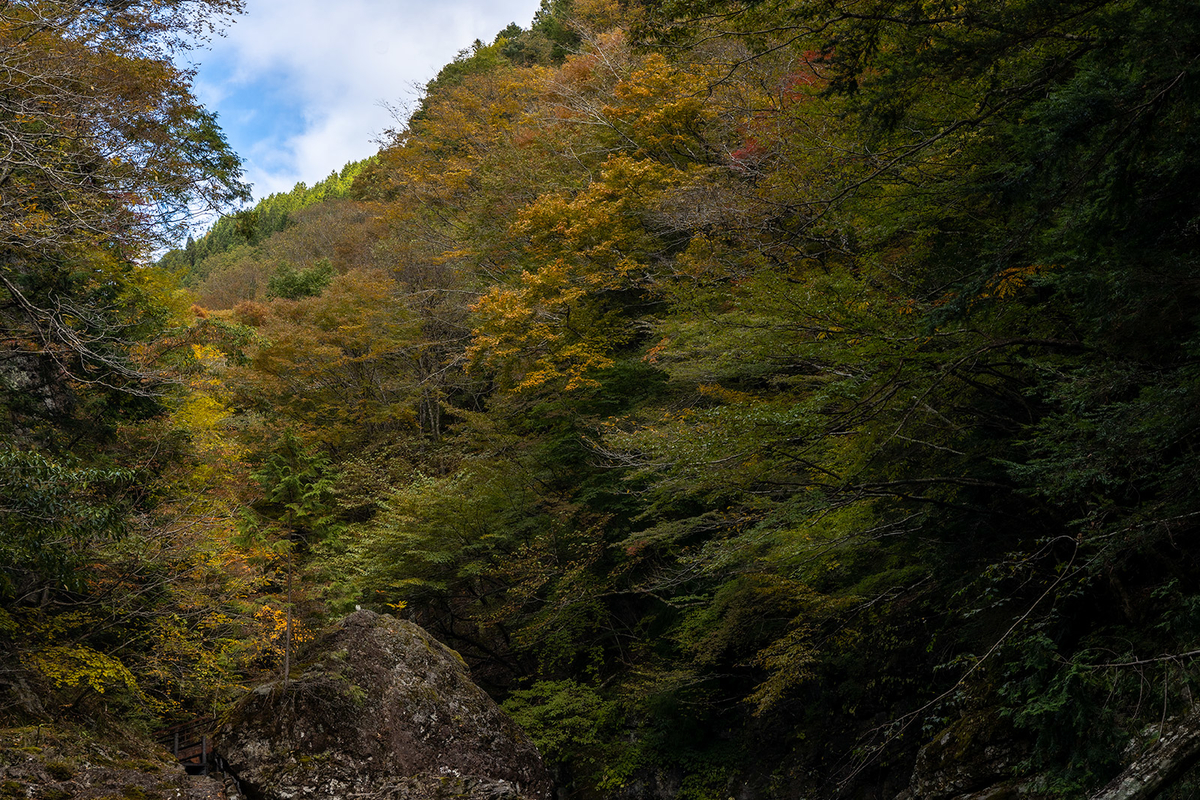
301 86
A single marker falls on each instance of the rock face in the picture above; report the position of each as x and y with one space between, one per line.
973 759
1173 749
55 761
385 711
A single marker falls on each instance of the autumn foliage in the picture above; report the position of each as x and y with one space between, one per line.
750 392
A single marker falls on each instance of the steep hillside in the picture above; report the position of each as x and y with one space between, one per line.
766 400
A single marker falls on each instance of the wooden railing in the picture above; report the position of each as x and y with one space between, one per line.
191 742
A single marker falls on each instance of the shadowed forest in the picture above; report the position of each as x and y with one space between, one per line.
752 392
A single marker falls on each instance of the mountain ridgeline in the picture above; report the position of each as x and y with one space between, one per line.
766 400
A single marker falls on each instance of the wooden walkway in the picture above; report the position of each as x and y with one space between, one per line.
191 742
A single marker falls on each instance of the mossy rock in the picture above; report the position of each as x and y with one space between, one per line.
138 793
980 750
390 708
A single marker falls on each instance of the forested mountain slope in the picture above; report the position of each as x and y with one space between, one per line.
752 393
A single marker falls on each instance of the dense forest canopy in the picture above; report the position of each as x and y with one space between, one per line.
753 393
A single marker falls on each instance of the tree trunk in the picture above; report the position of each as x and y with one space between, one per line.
287 634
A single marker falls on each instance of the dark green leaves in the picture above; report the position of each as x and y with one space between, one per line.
51 516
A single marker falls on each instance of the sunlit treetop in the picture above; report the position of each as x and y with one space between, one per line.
105 144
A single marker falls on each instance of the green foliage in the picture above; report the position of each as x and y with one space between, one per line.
479 58
553 21
442 541
53 515
297 491
524 48
569 722
292 284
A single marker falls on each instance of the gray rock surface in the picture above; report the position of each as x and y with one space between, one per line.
972 759
62 762
384 711
1173 749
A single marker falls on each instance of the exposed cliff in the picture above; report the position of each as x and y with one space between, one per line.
381 710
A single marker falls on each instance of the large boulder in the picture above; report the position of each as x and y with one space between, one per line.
975 758
383 711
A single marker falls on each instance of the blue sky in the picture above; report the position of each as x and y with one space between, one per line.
302 87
